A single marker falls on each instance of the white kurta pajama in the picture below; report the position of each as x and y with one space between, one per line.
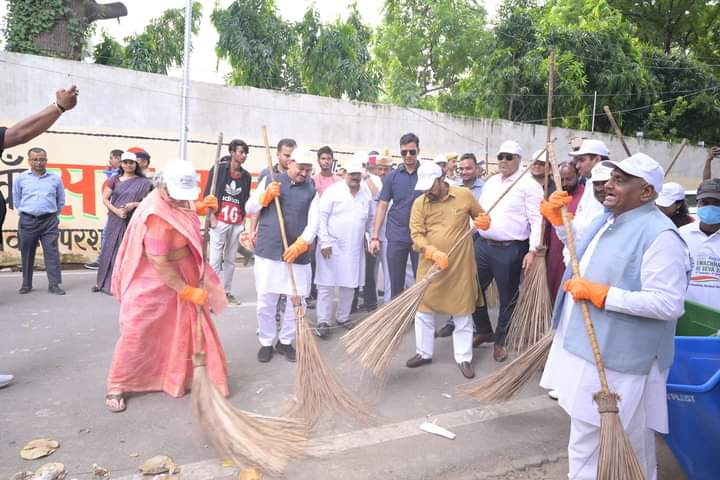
272 279
344 220
643 405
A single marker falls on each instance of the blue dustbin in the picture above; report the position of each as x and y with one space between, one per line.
693 393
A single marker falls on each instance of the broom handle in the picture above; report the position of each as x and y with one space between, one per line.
617 130
551 89
576 273
677 155
199 339
281 219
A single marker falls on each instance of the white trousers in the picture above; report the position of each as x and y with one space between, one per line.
224 242
267 330
325 304
584 447
462 335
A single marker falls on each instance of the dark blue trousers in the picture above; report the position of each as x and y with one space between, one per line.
397 256
370 288
43 229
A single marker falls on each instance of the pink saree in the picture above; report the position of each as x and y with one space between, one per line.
157 329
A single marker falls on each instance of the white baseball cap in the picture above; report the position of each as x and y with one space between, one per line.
303 155
128 156
181 180
642 166
511 146
427 173
671 193
440 158
600 173
592 147
539 158
355 164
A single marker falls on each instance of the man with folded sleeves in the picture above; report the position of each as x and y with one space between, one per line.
633 274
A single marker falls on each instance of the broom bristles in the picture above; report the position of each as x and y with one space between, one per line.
530 320
507 381
268 443
616 459
374 342
318 388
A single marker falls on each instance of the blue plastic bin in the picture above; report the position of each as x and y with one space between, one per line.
693 393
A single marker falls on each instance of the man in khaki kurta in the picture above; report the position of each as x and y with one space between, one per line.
438 221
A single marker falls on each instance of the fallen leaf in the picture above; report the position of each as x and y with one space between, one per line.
51 471
41 447
99 471
134 454
158 464
228 463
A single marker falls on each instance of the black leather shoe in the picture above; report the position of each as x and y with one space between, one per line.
500 353
483 338
445 331
466 369
367 308
56 290
25 289
287 351
417 361
265 354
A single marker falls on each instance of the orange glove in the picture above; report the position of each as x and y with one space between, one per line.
482 221
270 193
208 203
440 258
582 289
552 207
298 247
198 296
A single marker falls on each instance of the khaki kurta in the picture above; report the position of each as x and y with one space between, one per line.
441 224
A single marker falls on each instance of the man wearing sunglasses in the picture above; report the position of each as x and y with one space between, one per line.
399 188
508 246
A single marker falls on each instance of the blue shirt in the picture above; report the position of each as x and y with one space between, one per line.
399 186
37 195
475 187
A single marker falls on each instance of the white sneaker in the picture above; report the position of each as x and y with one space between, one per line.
553 394
5 380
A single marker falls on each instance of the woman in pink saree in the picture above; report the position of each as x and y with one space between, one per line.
156 279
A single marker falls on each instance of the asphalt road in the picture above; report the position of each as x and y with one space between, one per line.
59 349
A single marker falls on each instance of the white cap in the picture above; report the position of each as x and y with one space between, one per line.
540 158
440 158
643 166
511 146
592 147
303 155
671 193
355 164
181 180
427 173
600 173
128 156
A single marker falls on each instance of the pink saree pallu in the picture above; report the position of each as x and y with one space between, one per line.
157 329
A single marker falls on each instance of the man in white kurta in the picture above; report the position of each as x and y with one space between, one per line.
663 268
299 202
344 219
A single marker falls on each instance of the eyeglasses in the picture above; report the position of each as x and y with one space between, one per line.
405 153
505 156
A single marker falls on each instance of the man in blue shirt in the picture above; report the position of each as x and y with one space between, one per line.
39 197
399 187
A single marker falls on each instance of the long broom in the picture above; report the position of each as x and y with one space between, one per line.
616 460
530 320
677 155
375 340
268 443
317 388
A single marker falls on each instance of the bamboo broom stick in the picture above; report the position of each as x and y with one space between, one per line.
617 130
677 155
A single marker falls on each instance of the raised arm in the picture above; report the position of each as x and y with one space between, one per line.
32 126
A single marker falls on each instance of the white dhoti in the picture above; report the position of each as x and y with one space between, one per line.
325 298
462 335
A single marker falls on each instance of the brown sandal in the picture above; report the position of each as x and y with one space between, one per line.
120 402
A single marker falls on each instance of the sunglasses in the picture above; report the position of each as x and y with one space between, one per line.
405 153
505 156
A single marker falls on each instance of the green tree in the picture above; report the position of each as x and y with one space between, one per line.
158 47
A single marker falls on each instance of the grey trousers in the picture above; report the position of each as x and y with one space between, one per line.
43 228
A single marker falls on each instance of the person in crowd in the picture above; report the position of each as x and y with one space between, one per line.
383 168
345 218
371 183
299 203
39 198
633 275
143 160
157 282
671 201
121 196
232 189
325 177
590 153
399 187
707 168
451 169
24 131
508 246
439 221
703 241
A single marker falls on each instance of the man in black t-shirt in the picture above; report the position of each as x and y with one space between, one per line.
232 191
